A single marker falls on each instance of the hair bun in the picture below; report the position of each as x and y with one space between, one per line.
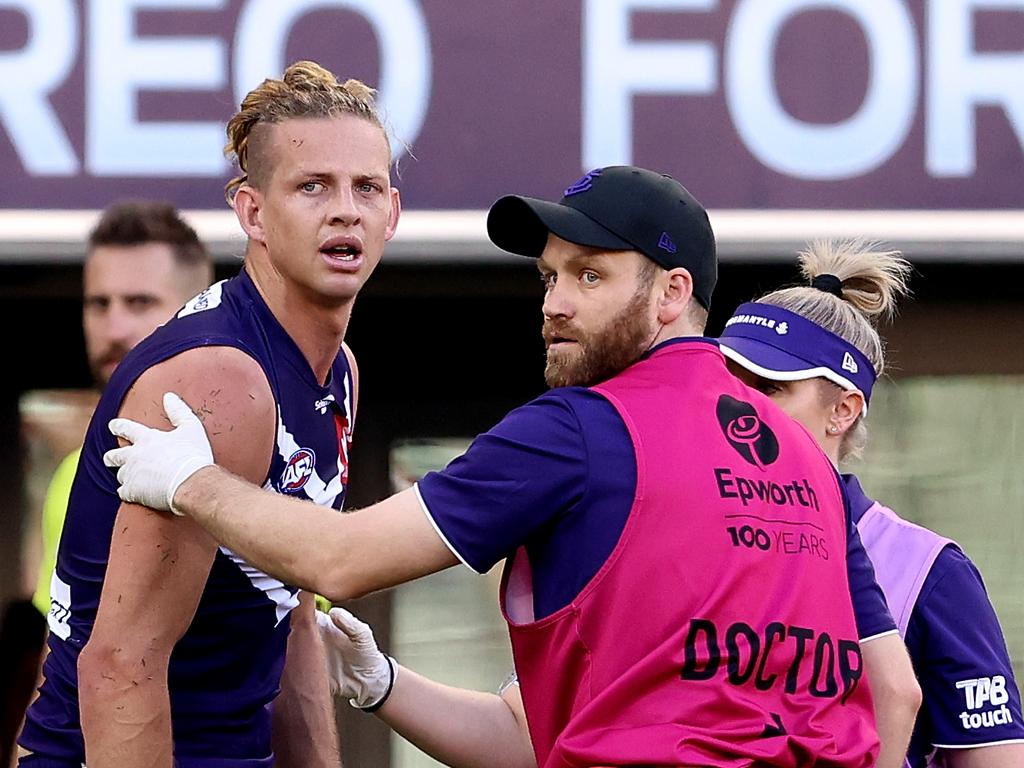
870 279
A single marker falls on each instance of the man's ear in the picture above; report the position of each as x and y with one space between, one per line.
676 292
248 205
396 212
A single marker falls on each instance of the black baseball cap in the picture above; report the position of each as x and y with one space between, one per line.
619 208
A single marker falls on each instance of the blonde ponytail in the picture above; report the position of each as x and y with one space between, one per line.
871 281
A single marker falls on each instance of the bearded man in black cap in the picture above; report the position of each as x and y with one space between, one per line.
651 509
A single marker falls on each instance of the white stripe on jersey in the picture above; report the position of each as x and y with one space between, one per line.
206 299
315 488
282 597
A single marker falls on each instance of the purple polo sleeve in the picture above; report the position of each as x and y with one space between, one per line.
513 482
961 659
869 606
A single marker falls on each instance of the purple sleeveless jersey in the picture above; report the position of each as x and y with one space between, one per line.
939 602
225 671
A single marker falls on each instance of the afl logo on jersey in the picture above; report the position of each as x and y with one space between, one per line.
743 428
298 470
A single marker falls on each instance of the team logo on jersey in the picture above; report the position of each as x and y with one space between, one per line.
743 428
322 405
849 364
298 470
980 692
209 298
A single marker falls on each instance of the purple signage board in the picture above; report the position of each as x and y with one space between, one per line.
752 104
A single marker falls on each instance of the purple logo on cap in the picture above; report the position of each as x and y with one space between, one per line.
582 184
666 244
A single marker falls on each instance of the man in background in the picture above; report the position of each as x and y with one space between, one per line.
146 666
142 264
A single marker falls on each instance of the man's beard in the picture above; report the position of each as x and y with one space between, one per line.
601 354
114 355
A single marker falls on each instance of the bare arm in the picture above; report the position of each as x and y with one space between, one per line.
338 556
896 694
458 727
305 735
158 565
155 575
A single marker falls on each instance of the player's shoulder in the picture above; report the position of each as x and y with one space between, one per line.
211 301
224 385
952 570
570 397
345 363
580 407
213 315
229 392
567 421
214 372
953 600
347 354
216 317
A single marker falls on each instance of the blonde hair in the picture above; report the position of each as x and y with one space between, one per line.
305 90
872 282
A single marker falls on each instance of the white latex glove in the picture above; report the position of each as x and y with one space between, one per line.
356 669
157 462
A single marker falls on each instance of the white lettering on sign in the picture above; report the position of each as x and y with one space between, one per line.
29 75
615 69
852 147
119 65
405 66
960 80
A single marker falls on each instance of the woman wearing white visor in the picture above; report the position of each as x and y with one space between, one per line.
814 350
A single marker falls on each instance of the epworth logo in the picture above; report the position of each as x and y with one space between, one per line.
743 428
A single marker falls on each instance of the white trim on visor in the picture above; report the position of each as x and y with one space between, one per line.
807 373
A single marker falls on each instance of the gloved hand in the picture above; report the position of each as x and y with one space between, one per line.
157 462
356 668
